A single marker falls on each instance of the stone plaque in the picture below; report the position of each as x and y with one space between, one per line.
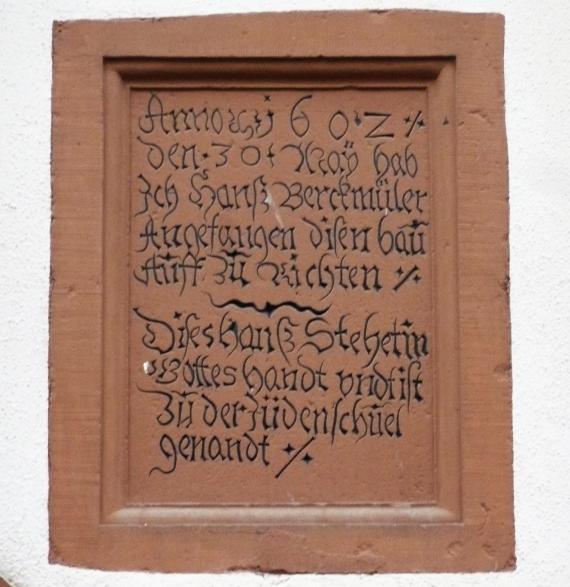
280 304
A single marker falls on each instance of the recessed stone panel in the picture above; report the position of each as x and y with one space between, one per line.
272 280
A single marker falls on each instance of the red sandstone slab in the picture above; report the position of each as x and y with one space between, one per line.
279 313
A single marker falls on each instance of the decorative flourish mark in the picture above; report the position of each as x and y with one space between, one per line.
268 308
307 458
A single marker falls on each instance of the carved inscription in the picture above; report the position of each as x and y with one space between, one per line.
280 296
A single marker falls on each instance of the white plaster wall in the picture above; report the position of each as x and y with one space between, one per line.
537 63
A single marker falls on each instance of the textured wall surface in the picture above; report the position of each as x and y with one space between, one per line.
537 63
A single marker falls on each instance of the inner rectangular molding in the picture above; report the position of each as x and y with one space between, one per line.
126 498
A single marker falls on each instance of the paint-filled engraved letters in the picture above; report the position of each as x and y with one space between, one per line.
281 331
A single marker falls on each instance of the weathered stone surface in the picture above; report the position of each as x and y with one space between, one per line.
280 332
